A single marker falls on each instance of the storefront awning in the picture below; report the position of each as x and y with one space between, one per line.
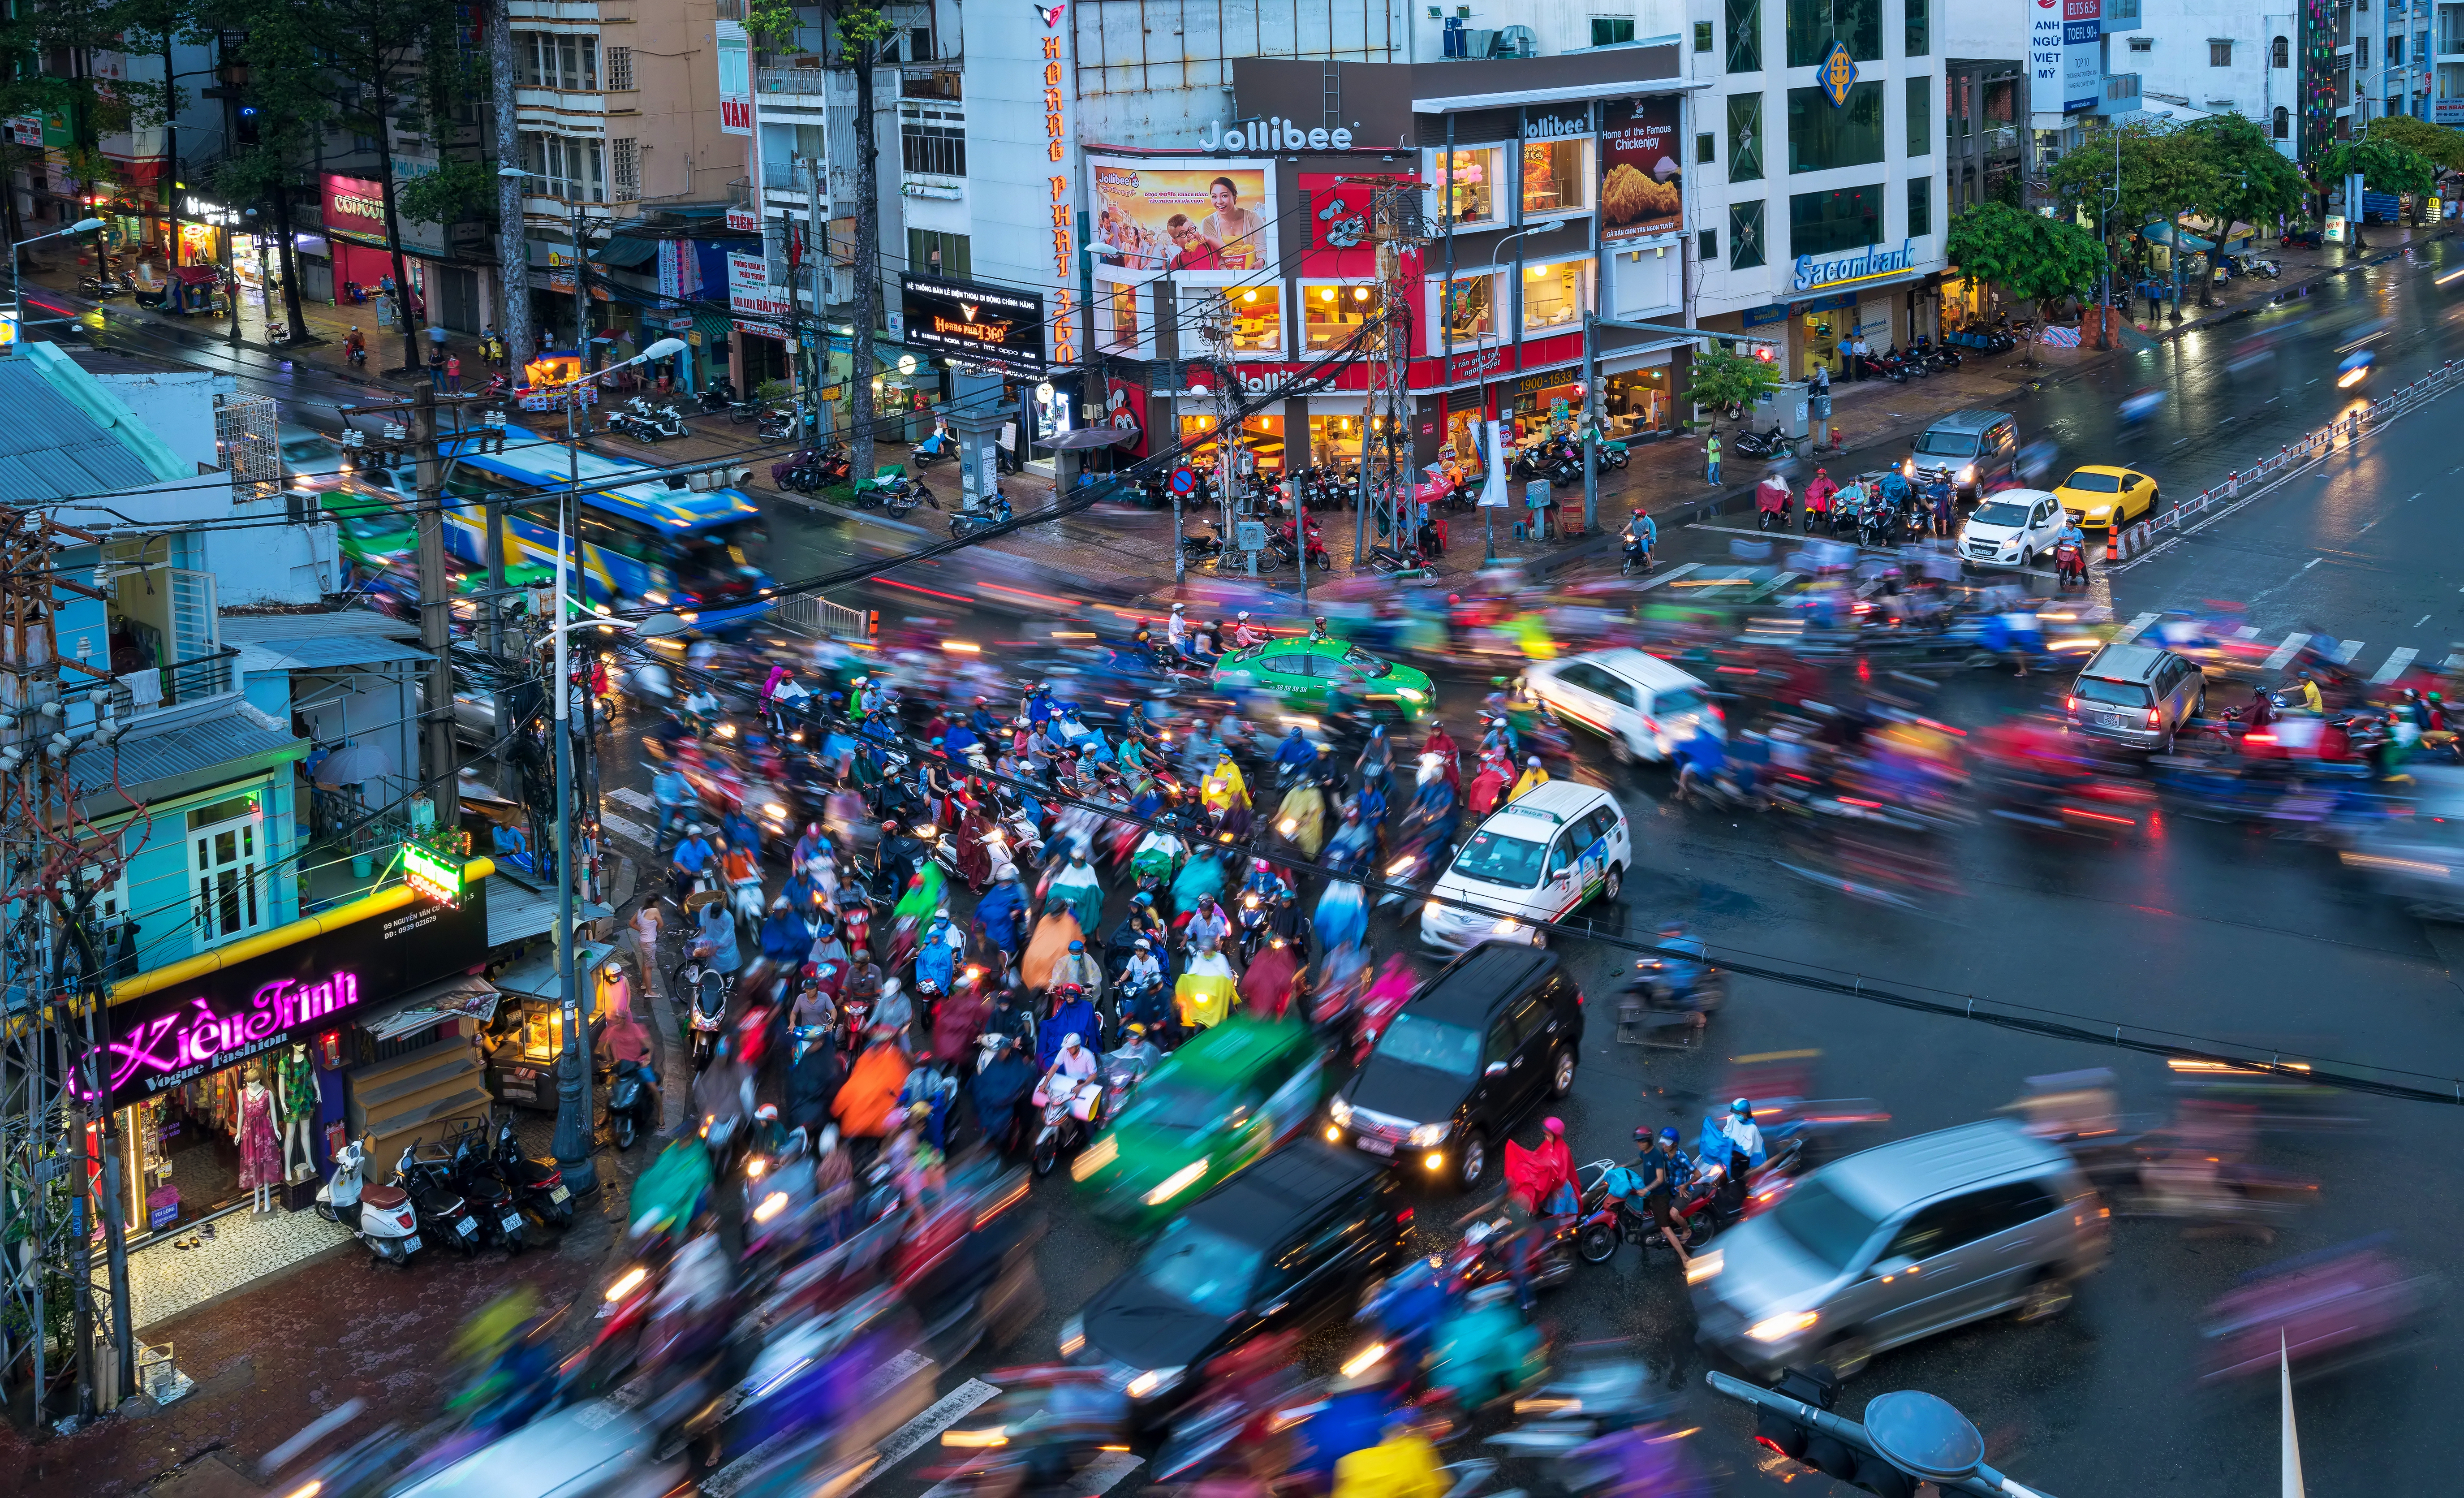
517 913
462 997
1086 437
537 978
325 653
626 252
197 275
1640 357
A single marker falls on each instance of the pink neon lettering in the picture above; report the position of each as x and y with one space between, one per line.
180 1040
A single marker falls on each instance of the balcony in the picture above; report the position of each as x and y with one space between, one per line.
2120 95
2000 140
789 81
600 11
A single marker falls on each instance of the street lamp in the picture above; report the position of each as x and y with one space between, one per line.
573 1105
18 269
1488 520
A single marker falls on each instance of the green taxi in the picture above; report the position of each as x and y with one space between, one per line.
1225 1098
1304 673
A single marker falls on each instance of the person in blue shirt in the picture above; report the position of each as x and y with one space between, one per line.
786 937
1038 705
715 938
1295 753
1895 489
958 740
983 721
677 799
1657 1178
1001 909
937 957
740 831
1700 761
693 855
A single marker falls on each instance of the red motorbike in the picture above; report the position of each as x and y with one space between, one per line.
2070 564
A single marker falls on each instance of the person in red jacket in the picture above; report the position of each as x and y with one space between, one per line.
1817 499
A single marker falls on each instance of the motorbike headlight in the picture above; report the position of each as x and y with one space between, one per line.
1340 1111
1073 1337
1430 1136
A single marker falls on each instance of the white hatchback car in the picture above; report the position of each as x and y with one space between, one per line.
1641 704
2013 528
1538 857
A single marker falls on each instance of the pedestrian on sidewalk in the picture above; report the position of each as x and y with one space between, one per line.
454 373
436 369
1712 457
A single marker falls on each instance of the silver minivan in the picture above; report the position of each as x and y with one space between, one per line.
1899 1243
2136 694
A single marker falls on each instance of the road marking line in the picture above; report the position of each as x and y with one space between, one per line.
2423 620
2343 654
629 830
1096 1479
723 1483
946 1411
2284 653
2394 667
2312 563
1658 577
632 798
2131 630
2246 633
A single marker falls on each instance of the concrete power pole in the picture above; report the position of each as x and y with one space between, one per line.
512 240
435 612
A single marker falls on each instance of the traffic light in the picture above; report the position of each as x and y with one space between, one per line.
1906 1438
872 624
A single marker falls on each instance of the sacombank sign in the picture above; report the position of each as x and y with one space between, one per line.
1866 265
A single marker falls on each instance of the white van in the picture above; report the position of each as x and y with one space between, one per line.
1641 704
1536 858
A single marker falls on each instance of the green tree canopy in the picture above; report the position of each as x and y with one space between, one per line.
2384 164
2027 254
1723 379
2441 145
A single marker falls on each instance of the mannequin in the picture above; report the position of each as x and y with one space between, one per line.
295 1100
260 1150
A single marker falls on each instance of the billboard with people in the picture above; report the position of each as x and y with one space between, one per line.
1162 216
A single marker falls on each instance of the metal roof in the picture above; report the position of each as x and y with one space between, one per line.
52 450
515 913
325 653
626 252
184 745
245 628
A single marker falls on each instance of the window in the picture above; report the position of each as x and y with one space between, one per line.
561 167
1471 308
1607 31
1553 296
2143 44
2279 54
933 252
1814 25
1745 138
2361 53
1829 223
1920 115
1745 235
1919 206
620 69
1471 185
1500 1047
1257 318
1707 244
625 169
1822 137
1335 313
1745 35
561 59
1702 37
227 853
1917 32
1554 180
933 142
1707 149
2395 51
920 44
2284 123
2219 54
1116 313
1531 1015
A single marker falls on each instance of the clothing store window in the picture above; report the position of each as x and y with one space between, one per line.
1554 177
1335 313
1471 182
227 843
1553 296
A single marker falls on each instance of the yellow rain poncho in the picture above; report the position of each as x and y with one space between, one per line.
1203 993
1223 787
1301 816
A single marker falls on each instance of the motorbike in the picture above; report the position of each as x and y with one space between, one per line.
778 425
538 1186
1653 1004
2070 564
1771 444
1200 547
998 513
354 293
632 1102
936 446
901 497
644 421
1636 555
708 1016
1249 923
719 395
435 1198
490 1193
1062 1128
381 1217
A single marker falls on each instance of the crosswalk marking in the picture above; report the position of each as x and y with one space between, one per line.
1671 575
2394 667
2342 654
2130 631
626 827
946 1411
2284 653
2246 633
1098 1478
896 1447
632 798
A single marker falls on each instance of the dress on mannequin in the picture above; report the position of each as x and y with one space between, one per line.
260 1149
294 1098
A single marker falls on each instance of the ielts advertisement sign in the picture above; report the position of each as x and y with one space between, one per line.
2082 52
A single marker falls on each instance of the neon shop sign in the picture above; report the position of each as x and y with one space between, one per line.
174 1048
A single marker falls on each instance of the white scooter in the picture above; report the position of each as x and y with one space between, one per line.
1070 1115
379 1217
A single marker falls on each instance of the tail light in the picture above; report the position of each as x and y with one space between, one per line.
405 1219
2069 704
555 1178
2155 717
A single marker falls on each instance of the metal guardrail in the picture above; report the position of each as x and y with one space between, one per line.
2137 538
811 614
789 81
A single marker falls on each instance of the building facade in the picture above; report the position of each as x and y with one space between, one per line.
2212 57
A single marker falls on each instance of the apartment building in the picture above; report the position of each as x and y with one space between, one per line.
2207 56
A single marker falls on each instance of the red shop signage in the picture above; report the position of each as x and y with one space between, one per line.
354 204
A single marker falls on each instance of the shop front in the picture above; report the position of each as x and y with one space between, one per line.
1824 326
1636 396
234 1075
1262 440
1336 426
1545 403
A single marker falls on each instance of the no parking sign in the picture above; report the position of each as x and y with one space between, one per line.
1183 481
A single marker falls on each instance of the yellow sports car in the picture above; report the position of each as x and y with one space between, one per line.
2097 496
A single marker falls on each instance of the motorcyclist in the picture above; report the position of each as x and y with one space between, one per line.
1641 534
1295 756
1142 985
677 799
786 937
714 941
1682 954
1207 922
1533 778
1659 1174
1245 634
693 856
1000 1088
2307 691
1318 630
1817 497
1745 1140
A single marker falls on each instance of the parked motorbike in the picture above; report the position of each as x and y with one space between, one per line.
719 395
538 1186
381 1217
491 1196
998 513
1771 443
437 1200
778 425
644 421
632 1102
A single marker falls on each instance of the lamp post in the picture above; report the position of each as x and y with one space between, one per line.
1489 523
573 1106
18 269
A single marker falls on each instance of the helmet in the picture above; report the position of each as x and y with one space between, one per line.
1069 1042
1320 618
1142 944
1133 1028
1006 873
779 903
767 1112
1533 761
612 971
1178 607
1243 614
1076 945
1668 1136
1553 1126
1742 1108
1258 864
889 826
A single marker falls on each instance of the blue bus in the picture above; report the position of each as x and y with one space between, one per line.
641 544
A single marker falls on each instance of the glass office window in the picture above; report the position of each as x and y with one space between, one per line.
1745 35
1745 138
1745 235
1835 222
1823 136
1814 25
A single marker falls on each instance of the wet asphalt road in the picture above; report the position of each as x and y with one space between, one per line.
2207 931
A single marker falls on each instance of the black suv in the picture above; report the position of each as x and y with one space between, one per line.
1284 1243
1499 1027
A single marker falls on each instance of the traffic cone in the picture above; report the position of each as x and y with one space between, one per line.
2117 545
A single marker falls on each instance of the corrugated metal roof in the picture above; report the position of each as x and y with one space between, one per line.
625 251
50 449
324 652
244 629
183 747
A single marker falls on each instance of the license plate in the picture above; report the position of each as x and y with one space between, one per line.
514 1223
1374 1145
410 1244
466 1227
559 1194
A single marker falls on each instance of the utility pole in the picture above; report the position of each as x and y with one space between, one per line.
812 416
861 39
581 344
1216 330
435 609
513 239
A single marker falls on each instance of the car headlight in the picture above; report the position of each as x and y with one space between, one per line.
1908 469
1703 1265
1178 1181
1428 1135
1073 1337
1340 1111
1153 1380
1506 925
1411 695
1787 1324
1968 473
2098 517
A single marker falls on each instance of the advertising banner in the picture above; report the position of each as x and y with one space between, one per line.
355 205
1642 186
2045 49
1216 217
981 324
2082 52
1338 225
750 293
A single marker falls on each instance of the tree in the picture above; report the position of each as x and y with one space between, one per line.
264 174
2135 175
1725 380
2027 254
2442 145
861 34
2249 181
454 192
2383 166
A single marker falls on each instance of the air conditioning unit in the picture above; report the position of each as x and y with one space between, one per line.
1517 41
